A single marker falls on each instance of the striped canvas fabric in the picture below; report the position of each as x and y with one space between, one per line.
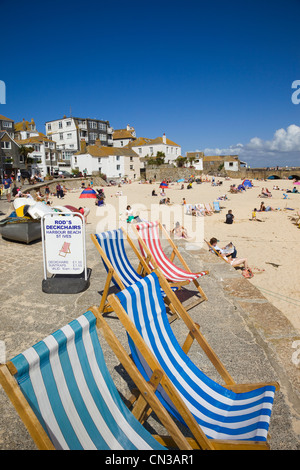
221 413
66 382
112 243
150 235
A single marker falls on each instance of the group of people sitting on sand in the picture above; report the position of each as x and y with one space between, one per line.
265 193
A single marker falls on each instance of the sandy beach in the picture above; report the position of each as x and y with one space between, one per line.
271 246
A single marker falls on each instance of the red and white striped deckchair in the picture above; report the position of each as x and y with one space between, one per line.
152 251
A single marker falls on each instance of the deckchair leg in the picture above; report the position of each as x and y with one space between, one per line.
142 409
102 307
189 340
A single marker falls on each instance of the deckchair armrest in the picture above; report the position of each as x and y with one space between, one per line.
241 388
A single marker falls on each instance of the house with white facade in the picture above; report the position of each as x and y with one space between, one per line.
44 155
68 132
217 162
146 147
114 162
195 159
122 137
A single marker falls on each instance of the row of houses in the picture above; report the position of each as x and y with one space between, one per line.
86 145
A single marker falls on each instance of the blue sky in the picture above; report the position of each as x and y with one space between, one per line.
214 76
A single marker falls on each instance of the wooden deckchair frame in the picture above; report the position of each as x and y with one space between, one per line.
200 437
217 252
104 306
147 399
175 252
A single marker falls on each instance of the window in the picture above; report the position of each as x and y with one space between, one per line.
102 126
99 160
230 163
6 145
118 167
69 136
131 167
93 136
49 127
118 158
100 169
68 123
61 136
7 124
151 150
131 159
140 151
121 143
93 125
75 159
60 125
102 136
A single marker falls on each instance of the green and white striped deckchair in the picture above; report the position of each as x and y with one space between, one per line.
66 397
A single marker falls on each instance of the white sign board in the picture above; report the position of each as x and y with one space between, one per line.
64 243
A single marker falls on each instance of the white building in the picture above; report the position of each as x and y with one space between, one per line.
149 147
114 162
195 159
122 137
44 155
69 132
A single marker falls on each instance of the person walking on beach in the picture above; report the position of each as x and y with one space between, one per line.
7 183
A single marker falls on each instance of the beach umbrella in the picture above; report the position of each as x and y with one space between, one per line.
181 180
88 193
163 184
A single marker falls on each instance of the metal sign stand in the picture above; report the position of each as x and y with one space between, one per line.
64 253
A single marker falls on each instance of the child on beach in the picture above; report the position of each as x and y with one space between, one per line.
229 217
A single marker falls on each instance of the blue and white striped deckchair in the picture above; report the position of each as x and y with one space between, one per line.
111 247
112 244
217 206
72 398
220 412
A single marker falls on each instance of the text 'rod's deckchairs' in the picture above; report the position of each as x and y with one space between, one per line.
66 397
149 241
236 414
111 247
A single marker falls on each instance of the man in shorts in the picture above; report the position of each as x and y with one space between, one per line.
7 183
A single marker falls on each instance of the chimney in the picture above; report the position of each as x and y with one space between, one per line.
82 146
164 138
128 127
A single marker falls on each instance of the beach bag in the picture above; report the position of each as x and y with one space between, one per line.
247 273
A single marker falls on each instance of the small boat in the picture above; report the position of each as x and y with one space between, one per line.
20 229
